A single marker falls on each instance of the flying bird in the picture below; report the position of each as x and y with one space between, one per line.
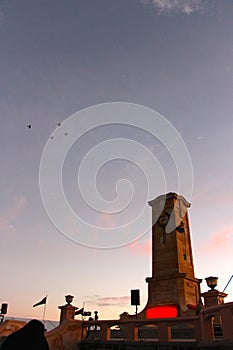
29 126
65 133
58 124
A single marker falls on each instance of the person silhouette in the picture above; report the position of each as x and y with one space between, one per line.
29 337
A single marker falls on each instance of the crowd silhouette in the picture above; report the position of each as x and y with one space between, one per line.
29 337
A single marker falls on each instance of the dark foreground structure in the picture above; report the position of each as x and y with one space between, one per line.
150 346
176 316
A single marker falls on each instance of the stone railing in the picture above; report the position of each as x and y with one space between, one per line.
200 329
202 326
66 335
132 328
224 314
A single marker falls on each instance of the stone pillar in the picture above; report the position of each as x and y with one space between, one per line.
131 332
104 332
213 297
67 310
197 330
164 332
227 323
207 330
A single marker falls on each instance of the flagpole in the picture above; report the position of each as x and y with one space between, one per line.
82 322
44 310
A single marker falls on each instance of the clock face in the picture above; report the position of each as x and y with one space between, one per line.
163 219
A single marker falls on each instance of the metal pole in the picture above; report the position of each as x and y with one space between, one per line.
82 323
227 284
44 309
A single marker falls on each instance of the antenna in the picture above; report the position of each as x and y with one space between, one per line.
227 284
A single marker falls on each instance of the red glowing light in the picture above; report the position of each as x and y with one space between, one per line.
162 311
192 307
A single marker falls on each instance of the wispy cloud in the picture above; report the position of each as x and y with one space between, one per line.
141 248
11 213
6 227
220 241
106 220
18 203
179 6
113 301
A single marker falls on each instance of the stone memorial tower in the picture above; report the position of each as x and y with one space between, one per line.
173 288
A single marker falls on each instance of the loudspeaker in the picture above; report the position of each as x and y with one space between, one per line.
4 309
135 298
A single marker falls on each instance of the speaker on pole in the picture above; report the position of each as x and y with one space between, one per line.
135 297
4 309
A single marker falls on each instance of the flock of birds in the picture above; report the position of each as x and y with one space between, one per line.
58 124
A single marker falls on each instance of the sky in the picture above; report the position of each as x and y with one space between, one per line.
58 59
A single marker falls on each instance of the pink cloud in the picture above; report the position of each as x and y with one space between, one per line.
106 220
11 213
141 248
19 203
6 226
113 301
220 241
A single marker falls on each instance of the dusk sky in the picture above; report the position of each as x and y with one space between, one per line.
59 57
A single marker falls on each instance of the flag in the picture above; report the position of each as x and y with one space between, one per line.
87 313
43 301
79 312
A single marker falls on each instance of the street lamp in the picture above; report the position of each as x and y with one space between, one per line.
211 282
69 299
